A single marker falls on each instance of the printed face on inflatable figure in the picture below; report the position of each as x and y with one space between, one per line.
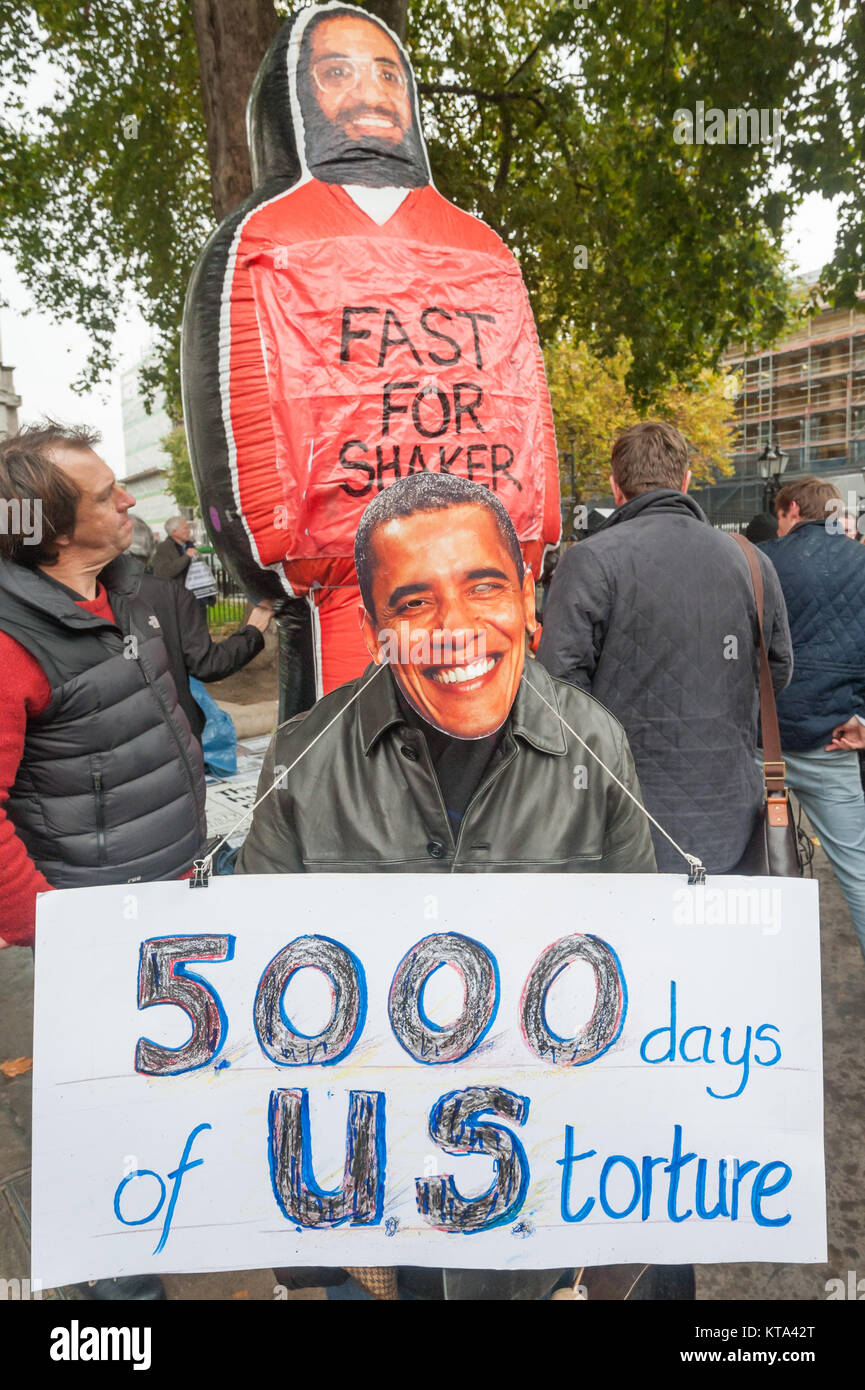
447 600
348 327
354 90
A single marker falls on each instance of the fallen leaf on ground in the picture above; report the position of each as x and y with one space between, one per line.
16 1066
241 1293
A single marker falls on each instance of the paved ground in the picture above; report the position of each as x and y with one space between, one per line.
257 681
843 972
844 1051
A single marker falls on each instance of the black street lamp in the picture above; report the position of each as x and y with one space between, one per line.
772 463
568 460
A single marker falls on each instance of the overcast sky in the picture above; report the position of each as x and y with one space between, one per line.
48 357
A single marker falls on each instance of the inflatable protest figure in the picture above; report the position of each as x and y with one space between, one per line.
348 326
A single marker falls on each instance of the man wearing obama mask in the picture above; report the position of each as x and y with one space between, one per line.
448 755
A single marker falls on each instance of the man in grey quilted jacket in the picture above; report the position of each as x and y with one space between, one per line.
655 615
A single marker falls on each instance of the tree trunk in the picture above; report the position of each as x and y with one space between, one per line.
393 12
232 40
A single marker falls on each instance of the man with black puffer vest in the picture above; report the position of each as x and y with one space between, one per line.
101 779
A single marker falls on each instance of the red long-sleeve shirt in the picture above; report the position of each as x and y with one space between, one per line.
26 693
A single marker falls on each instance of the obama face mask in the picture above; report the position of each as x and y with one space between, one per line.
448 602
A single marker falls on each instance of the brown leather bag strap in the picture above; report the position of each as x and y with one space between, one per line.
773 764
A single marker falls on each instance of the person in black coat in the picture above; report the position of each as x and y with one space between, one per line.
191 649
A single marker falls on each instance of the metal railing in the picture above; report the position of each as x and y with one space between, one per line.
230 602
831 431
829 364
798 373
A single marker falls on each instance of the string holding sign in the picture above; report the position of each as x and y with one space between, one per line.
202 868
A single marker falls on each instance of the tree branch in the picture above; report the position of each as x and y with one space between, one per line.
530 57
570 163
506 154
456 89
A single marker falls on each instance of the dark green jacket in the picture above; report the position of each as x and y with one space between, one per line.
365 797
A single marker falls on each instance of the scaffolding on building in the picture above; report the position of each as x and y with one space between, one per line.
806 396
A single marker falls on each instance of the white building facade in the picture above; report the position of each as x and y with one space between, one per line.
146 461
9 401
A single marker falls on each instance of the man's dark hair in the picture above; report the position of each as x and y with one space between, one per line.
426 492
649 455
29 475
813 496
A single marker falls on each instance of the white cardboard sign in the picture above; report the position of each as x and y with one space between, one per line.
478 1071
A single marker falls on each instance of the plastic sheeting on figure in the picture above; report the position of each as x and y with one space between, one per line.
348 326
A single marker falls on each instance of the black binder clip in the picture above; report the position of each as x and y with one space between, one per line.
697 875
200 874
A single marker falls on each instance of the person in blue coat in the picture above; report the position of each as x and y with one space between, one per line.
821 714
